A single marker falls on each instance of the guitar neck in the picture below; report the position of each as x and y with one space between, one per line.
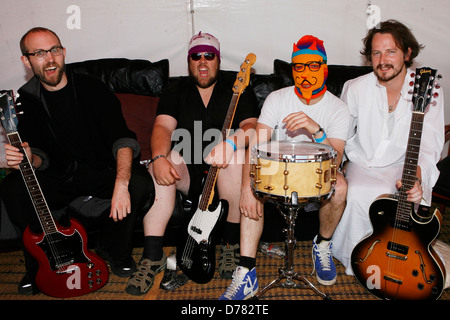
230 115
242 80
37 197
211 178
410 165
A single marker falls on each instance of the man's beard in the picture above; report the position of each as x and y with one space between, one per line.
387 77
206 83
53 81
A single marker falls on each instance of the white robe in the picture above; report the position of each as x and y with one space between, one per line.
376 154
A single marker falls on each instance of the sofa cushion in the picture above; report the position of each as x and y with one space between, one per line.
139 113
263 84
127 76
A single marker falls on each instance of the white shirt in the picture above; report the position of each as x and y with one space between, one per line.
370 142
330 113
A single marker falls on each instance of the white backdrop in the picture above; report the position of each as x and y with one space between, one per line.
158 29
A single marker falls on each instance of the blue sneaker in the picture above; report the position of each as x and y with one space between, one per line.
243 286
323 262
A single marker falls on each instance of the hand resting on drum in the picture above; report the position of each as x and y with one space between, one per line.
299 120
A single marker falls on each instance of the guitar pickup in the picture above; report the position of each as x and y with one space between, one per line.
196 230
399 248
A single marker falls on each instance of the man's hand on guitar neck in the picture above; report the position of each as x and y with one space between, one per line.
14 156
221 155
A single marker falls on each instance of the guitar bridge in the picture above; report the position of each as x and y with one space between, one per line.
397 281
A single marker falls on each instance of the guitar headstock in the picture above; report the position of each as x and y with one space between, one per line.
243 77
423 88
8 116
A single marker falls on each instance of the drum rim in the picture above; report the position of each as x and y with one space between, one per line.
329 151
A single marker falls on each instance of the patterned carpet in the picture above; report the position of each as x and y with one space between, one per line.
346 288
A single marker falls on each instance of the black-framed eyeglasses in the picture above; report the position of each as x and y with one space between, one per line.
314 66
41 54
208 56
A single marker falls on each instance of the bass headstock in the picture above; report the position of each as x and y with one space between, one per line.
243 77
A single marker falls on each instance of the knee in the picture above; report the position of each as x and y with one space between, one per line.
341 186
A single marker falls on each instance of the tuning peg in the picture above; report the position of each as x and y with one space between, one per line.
437 86
413 74
411 83
439 76
435 95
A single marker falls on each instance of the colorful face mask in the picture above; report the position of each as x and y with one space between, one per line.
309 68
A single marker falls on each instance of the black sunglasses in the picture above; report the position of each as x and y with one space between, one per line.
208 56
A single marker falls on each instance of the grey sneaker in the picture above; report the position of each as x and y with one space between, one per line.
229 259
271 250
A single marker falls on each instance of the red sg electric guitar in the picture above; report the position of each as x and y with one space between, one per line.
397 261
66 267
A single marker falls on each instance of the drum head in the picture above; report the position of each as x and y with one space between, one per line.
294 151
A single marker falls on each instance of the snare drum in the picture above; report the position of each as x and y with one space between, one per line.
280 168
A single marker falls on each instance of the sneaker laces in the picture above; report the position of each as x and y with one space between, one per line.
229 256
323 252
238 280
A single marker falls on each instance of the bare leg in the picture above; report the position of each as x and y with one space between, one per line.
331 211
157 218
229 185
251 231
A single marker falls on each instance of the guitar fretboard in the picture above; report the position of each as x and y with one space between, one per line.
410 167
37 197
211 178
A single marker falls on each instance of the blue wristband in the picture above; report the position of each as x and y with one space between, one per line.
320 140
231 143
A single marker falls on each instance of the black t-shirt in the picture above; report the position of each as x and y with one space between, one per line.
67 122
199 128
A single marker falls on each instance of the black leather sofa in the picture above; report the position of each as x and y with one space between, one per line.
138 85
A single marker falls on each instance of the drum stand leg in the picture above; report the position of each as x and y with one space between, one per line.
287 273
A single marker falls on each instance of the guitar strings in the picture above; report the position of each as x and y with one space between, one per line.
404 208
210 182
39 203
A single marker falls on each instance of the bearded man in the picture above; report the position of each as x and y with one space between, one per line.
189 110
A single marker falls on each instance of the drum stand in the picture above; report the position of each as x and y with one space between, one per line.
287 273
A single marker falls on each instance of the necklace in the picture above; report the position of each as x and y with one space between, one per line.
392 106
